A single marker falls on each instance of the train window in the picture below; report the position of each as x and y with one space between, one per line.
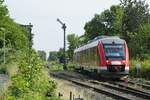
84 56
92 56
86 60
78 56
114 51
89 55
97 57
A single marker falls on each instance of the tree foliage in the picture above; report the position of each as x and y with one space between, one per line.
136 13
53 56
73 41
141 42
60 54
3 11
94 27
42 55
107 23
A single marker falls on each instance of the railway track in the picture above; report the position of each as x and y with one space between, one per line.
146 86
84 84
94 85
143 85
124 88
120 86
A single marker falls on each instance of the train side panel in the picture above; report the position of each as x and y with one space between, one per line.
87 59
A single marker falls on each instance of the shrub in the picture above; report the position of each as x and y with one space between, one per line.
3 69
31 81
70 66
145 68
53 65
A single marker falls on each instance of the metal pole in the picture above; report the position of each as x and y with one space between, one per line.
4 44
30 41
64 28
70 95
4 49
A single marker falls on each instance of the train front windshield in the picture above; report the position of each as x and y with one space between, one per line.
114 51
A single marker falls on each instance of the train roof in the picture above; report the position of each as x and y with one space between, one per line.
103 39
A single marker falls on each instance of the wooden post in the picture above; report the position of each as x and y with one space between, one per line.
70 95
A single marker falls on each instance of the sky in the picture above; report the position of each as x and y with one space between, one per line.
48 34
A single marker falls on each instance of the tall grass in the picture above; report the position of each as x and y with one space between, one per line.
54 66
6 70
144 71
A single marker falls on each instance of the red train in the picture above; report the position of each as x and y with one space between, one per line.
106 55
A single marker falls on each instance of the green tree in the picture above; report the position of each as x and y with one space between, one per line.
53 56
117 14
94 28
73 41
3 11
109 22
143 37
136 13
14 35
42 55
60 55
139 46
29 33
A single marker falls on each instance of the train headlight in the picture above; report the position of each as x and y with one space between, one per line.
108 62
123 62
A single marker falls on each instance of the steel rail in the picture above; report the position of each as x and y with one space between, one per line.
126 89
140 84
89 86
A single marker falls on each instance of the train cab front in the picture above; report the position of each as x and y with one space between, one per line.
116 59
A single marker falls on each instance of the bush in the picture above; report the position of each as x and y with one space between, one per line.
53 65
31 81
70 66
145 68
12 69
3 69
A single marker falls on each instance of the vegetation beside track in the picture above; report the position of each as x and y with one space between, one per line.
54 65
143 72
28 79
31 80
